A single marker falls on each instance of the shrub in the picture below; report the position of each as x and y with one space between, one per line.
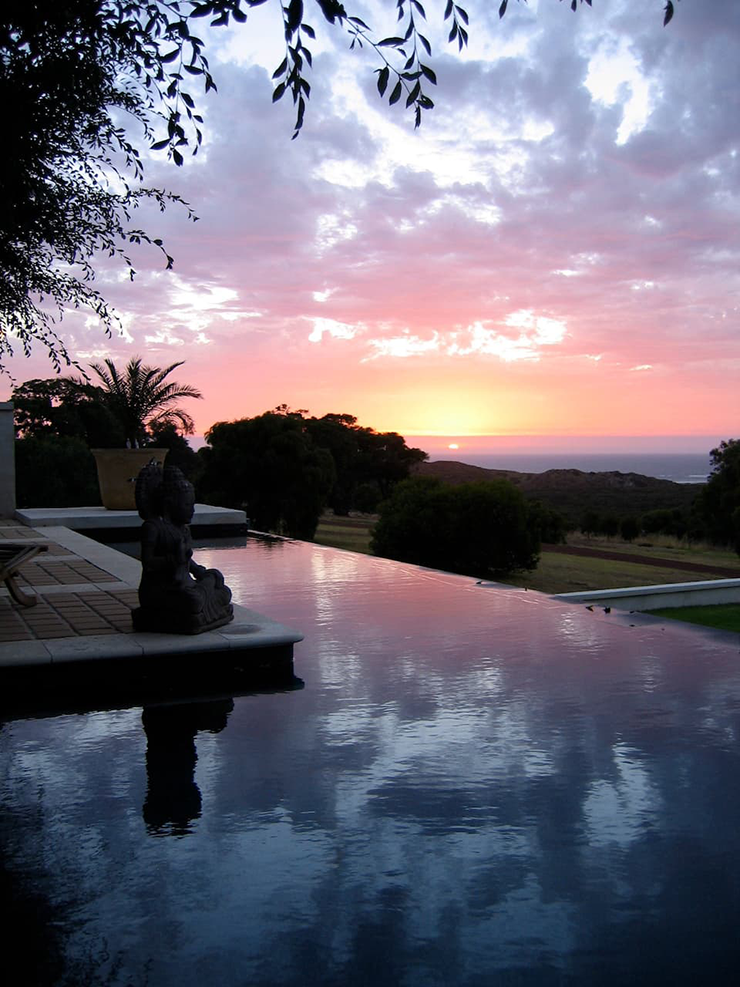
664 522
270 465
367 498
719 501
590 523
477 529
629 528
55 472
549 524
610 525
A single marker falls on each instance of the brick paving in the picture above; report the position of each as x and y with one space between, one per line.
57 613
42 571
14 532
68 615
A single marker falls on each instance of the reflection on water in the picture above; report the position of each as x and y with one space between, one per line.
173 799
475 787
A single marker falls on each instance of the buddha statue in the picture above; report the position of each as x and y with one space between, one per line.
176 595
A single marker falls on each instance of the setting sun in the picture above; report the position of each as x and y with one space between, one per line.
453 445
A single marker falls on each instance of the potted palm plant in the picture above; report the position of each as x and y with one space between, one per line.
142 400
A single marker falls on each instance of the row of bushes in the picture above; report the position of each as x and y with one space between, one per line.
629 527
489 529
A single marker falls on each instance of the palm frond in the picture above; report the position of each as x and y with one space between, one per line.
141 397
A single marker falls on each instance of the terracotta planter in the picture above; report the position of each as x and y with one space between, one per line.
117 472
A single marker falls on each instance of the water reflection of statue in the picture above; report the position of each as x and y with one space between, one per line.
176 595
173 798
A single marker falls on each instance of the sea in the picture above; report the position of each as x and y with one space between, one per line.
678 467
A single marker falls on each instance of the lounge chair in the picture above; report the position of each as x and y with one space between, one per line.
12 556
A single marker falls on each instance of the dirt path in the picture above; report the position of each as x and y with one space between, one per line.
598 553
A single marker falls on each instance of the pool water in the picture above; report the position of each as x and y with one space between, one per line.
473 786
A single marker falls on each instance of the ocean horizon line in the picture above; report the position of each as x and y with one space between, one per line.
565 444
689 467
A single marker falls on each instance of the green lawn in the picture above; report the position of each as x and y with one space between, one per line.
350 533
723 616
572 573
662 547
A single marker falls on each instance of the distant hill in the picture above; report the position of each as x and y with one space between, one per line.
573 492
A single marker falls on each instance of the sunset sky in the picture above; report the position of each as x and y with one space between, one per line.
554 253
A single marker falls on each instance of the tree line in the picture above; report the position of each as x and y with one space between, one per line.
286 467
713 515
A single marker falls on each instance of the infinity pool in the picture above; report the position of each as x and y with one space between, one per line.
473 786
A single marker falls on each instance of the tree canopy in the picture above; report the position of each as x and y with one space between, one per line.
55 472
134 405
719 502
285 468
62 408
270 466
478 529
368 463
71 176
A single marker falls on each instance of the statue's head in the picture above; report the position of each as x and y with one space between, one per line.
149 491
179 496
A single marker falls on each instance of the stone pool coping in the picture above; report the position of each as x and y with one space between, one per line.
99 518
79 586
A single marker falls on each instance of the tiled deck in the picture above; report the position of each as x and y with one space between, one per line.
75 597
86 592
68 615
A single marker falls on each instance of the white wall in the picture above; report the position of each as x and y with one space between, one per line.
695 594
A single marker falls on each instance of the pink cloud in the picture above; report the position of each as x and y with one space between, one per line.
458 228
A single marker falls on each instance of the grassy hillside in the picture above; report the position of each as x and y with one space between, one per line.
559 572
603 563
571 492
